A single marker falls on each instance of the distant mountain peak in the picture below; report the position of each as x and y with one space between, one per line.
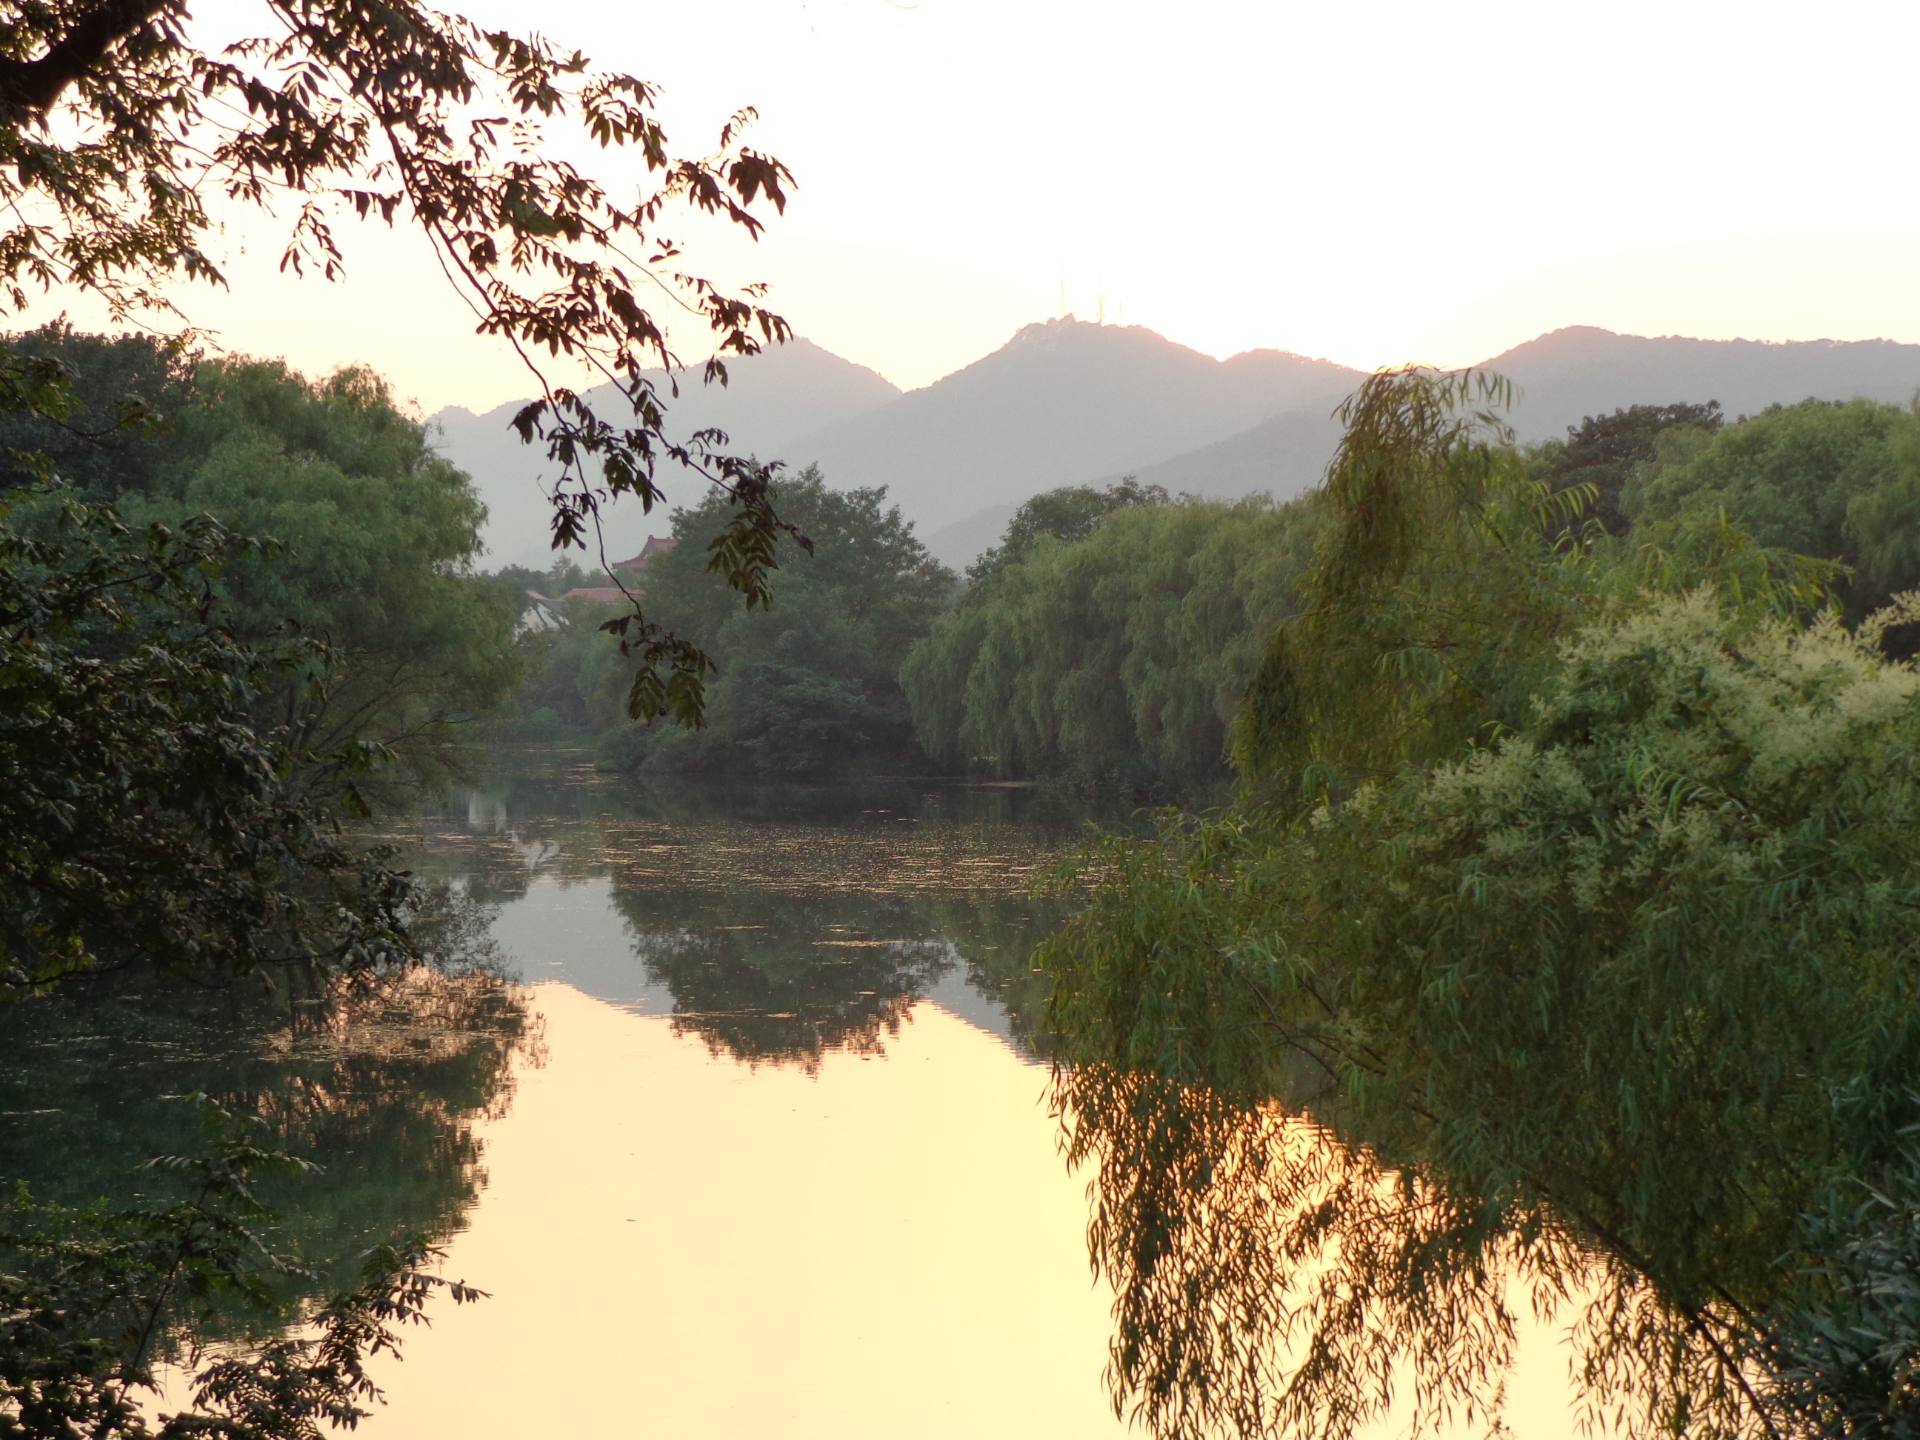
1575 333
1070 327
1268 354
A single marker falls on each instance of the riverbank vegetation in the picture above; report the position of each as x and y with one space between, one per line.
372 535
1550 949
1554 954
806 685
1113 645
236 609
190 715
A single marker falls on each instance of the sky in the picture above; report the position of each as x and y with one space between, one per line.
1374 184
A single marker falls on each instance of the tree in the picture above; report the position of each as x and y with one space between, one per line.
123 700
375 533
113 127
1836 480
1069 513
1117 652
377 536
1555 950
110 433
810 685
161 829
1606 452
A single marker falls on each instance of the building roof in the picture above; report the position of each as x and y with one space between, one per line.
656 545
596 595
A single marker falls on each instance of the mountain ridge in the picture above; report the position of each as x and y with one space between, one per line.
1066 401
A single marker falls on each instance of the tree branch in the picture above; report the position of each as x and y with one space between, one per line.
32 86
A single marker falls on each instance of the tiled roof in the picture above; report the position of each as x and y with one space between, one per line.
656 545
597 595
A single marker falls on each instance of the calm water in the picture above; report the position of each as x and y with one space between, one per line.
781 1165
769 1158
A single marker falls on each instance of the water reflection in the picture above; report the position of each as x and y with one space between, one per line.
789 1171
877 1250
775 925
384 1096
795 1176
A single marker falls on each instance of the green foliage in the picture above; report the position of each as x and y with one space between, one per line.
1604 454
1836 481
106 432
1070 513
1853 1362
122 698
159 829
1555 954
1119 652
173 776
95 1299
376 533
1443 585
379 535
114 124
805 686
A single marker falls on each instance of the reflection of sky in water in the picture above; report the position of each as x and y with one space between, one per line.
779 925
788 1169
675 1248
575 932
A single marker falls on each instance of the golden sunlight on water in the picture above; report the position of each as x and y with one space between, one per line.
785 1166
676 1245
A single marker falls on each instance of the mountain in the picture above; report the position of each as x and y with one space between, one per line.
1060 403
1561 377
1065 402
1570 374
784 391
1283 456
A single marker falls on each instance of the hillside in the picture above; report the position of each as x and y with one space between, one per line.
769 398
1562 378
1060 402
1067 402
1569 374
1283 455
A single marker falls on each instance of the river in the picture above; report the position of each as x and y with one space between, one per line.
766 1153
782 1165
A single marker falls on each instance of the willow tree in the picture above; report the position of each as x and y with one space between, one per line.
1117 654
116 128
1556 957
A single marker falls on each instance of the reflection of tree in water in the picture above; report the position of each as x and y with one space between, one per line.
382 1093
761 977
768 977
786 921
994 936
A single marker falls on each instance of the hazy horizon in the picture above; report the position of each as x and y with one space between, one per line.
1370 187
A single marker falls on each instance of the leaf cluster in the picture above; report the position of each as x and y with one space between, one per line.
806 683
146 821
1117 652
1840 482
95 1300
115 127
1555 955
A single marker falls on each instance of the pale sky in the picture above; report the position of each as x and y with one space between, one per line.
1374 183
